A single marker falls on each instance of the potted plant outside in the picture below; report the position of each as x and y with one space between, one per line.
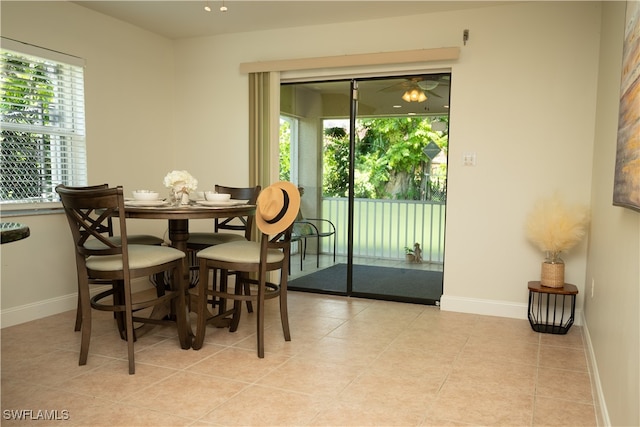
409 256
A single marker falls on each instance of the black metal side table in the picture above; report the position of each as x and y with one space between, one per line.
552 310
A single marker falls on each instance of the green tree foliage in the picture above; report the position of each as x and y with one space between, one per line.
29 104
336 162
285 150
390 162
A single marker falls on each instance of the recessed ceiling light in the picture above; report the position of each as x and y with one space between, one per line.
411 114
397 106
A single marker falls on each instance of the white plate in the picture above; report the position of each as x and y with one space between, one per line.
145 202
221 203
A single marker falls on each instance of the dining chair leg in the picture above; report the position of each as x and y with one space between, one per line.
78 324
247 291
260 317
129 327
118 299
224 284
284 308
182 310
201 322
237 304
158 283
85 305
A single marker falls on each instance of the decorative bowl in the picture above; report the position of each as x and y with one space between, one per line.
217 197
145 195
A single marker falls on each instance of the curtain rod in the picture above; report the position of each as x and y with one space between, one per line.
380 58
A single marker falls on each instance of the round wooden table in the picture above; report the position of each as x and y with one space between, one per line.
179 217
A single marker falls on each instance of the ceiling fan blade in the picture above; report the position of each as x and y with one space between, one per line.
406 85
432 93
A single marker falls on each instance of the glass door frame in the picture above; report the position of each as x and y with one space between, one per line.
353 119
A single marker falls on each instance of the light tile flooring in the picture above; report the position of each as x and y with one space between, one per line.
350 362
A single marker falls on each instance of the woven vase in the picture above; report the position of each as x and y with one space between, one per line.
552 271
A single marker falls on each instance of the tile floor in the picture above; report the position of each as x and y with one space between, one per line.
350 362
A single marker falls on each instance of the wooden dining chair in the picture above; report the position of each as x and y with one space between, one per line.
225 230
116 262
231 229
107 229
276 209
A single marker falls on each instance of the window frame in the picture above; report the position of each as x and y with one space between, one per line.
68 165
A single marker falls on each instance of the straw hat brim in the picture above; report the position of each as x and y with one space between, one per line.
286 219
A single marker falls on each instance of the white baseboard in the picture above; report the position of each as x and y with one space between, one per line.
602 413
37 310
492 308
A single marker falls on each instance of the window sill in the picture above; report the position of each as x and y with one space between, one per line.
8 210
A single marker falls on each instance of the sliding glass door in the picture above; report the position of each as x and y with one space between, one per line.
370 155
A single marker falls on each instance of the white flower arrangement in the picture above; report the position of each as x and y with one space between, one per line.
180 181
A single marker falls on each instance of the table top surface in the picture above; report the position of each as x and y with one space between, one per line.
567 289
191 211
13 231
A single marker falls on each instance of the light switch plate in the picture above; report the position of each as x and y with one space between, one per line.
469 159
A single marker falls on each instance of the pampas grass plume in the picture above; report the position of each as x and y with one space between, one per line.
553 226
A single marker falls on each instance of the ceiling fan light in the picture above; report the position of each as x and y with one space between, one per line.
414 95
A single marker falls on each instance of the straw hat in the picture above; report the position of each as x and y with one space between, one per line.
277 207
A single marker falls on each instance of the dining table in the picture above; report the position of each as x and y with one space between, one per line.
178 218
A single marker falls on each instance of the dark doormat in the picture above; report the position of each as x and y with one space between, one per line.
400 284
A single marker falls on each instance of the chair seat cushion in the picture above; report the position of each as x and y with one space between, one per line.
212 239
140 256
243 251
132 239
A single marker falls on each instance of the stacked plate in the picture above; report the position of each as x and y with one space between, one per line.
221 203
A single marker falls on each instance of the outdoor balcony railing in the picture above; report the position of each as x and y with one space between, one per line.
383 228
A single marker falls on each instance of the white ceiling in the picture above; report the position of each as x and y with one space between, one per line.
183 19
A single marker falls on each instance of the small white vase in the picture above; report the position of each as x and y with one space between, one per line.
180 197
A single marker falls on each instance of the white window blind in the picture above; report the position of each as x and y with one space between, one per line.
42 123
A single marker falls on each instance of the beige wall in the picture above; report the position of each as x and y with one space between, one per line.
526 98
129 84
613 259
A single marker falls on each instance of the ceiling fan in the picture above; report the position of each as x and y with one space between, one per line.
416 89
